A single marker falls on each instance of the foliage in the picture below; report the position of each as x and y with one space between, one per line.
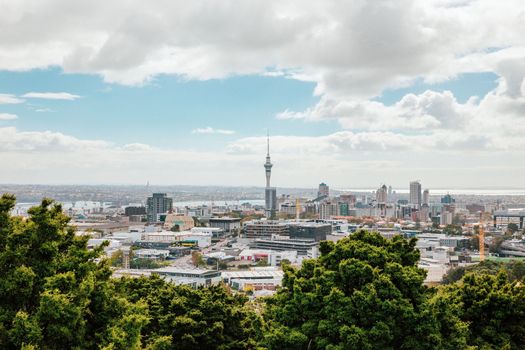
497 241
513 228
262 263
144 263
197 260
364 292
207 318
514 270
53 292
453 230
491 306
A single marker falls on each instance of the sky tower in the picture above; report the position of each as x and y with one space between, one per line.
270 193
268 165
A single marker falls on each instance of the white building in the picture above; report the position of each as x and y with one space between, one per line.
203 239
266 278
435 270
191 277
446 218
272 257
154 254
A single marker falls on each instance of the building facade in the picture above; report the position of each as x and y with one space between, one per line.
157 204
415 194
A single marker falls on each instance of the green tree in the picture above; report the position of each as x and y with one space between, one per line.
491 306
453 230
54 292
512 228
514 270
364 292
185 318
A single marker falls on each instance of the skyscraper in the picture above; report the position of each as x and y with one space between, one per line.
382 198
158 203
426 197
415 194
270 193
324 190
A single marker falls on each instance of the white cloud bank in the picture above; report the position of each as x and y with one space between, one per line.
8 116
6 99
343 159
352 50
210 130
52 96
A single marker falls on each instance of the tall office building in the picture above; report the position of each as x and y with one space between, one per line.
381 199
270 193
158 203
327 210
382 195
426 197
415 194
324 190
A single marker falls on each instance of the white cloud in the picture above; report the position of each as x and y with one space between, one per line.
351 50
52 95
8 116
355 48
210 130
342 159
9 99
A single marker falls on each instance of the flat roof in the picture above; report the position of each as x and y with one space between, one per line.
225 219
258 274
174 270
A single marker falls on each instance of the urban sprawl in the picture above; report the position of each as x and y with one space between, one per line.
245 244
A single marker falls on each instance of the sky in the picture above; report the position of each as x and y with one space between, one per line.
353 93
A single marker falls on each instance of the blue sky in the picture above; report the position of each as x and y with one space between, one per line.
164 112
183 92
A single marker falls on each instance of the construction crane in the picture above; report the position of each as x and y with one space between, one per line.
481 237
297 209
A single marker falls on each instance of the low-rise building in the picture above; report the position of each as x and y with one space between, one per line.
254 279
177 222
265 228
307 247
309 230
227 224
154 254
192 277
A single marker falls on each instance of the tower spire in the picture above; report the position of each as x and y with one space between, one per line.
268 142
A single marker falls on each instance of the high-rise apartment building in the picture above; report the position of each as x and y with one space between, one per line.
426 197
415 194
324 190
327 210
158 203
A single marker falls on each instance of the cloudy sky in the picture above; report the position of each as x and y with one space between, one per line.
354 93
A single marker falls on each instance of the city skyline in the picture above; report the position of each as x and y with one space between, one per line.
184 94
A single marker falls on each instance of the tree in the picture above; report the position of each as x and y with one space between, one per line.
364 292
491 306
514 270
262 263
197 259
453 230
512 228
185 318
54 292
